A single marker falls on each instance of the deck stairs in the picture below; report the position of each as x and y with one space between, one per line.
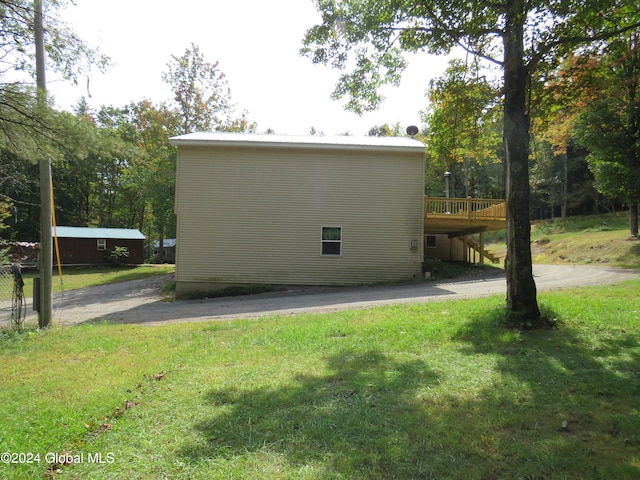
476 246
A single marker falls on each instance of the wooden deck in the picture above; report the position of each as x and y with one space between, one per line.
463 216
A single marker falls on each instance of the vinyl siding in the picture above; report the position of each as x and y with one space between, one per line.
254 215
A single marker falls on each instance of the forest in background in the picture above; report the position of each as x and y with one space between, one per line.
114 167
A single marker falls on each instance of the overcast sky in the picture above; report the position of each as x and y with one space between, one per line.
256 43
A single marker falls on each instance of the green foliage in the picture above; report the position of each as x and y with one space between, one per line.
386 130
465 122
67 54
602 131
370 36
149 127
613 158
114 167
4 213
119 253
562 178
464 117
28 128
19 185
202 95
91 175
609 125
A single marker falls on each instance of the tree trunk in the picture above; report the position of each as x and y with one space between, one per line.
521 289
565 188
633 219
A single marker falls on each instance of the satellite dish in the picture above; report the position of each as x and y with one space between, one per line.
412 130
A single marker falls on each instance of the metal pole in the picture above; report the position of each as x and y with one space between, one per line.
46 243
447 180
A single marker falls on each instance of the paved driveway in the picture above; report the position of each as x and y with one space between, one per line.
139 301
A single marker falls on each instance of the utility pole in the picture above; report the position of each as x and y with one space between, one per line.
46 216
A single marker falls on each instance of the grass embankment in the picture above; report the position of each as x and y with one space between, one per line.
597 240
437 390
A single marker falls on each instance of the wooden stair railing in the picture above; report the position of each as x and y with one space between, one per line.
474 245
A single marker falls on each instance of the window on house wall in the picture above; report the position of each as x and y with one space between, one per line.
332 241
102 244
430 241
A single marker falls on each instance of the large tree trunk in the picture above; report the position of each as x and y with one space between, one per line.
521 289
633 219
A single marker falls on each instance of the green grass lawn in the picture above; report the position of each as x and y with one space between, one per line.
595 239
437 390
80 277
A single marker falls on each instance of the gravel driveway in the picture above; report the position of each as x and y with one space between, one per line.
139 301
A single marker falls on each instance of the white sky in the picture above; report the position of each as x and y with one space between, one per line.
256 43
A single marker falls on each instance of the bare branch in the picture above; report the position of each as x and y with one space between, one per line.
479 54
18 202
577 40
457 35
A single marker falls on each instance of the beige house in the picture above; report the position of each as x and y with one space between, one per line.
270 209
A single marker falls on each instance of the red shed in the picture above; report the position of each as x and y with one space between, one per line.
95 246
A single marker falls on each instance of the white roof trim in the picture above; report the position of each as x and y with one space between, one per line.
292 141
86 232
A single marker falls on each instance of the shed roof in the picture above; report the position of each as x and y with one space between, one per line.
298 141
87 232
166 243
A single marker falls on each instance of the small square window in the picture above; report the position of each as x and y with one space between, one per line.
430 241
332 241
102 244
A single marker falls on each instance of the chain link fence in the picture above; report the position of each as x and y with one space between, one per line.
13 308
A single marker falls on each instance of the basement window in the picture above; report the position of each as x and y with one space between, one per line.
102 244
332 241
430 241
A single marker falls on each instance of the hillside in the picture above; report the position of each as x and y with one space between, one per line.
597 239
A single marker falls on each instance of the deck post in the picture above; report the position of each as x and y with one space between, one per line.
467 256
482 248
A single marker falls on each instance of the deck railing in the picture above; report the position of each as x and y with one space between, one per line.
467 208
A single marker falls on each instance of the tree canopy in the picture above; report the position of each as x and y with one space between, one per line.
29 128
200 89
202 96
26 126
113 167
463 113
609 125
370 37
